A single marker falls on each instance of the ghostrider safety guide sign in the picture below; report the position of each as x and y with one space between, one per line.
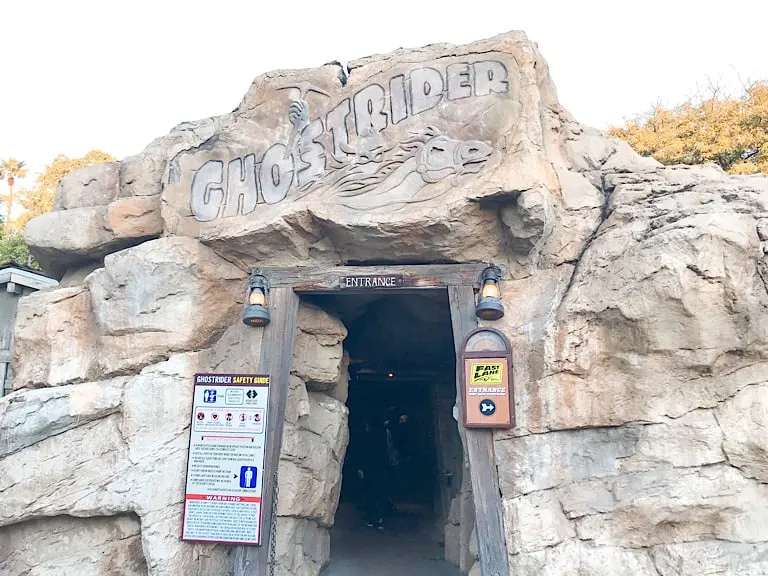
225 467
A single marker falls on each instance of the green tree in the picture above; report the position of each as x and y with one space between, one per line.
13 249
731 131
11 169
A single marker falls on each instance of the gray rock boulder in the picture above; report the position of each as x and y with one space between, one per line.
95 185
185 304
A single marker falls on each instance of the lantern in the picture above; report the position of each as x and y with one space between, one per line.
256 302
489 306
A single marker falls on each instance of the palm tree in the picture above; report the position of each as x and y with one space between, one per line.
11 169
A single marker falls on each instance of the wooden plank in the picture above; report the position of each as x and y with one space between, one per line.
322 279
489 524
275 359
462 325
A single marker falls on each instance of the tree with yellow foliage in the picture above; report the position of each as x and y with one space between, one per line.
11 169
730 131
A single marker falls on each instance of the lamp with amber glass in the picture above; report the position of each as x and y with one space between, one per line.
489 306
256 303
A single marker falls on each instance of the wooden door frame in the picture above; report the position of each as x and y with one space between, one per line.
286 284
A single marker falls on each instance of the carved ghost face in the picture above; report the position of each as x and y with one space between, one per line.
443 156
471 156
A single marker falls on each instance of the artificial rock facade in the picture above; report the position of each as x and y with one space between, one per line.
114 451
636 297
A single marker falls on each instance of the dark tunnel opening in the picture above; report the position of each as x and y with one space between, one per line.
404 461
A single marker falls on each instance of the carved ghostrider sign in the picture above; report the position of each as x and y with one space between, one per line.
347 151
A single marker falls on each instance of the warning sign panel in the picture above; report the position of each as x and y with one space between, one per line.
487 393
225 468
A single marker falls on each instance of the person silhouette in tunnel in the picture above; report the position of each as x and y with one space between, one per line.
374 471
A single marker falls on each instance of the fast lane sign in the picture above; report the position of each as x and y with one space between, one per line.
487 392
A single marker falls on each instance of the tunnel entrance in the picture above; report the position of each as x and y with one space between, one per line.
404 463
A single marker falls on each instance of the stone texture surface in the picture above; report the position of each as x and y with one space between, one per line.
577 558
91 186
716 557
641 372
62 239
317 351
310 468
743 420
137 217
65 545
636 299
76 275
34 416
120 320
460 538
303 547
184 304
54 339
315 440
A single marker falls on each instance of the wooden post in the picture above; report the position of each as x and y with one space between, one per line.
489 524
275 360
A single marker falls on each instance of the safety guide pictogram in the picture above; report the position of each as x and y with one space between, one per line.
225 468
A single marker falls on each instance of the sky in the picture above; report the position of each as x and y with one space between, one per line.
86 74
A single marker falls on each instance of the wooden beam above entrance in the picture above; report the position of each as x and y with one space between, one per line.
305 279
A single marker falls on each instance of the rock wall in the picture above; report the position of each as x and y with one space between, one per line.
101 463
642 378
314 443
636 300
64 545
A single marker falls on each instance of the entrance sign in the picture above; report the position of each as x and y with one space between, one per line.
487 383
225 467
487 394
387 281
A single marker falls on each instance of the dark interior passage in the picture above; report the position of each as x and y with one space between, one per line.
403 463
391 421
